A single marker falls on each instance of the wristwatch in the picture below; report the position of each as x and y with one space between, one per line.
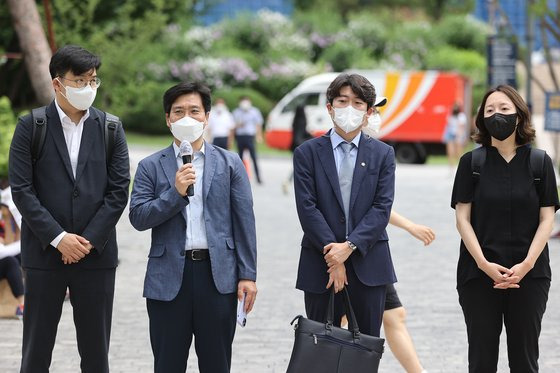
352 246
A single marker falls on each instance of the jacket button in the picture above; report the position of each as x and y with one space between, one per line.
342 219
76 193
183 252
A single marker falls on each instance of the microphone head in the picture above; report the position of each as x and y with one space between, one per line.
185 148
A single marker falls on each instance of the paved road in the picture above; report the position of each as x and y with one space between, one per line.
426 287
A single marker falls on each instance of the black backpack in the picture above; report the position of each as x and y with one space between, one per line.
39 116
536 161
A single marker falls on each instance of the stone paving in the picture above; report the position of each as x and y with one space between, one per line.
426 287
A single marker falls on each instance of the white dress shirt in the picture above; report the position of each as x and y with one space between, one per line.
73 137
220 122
196 228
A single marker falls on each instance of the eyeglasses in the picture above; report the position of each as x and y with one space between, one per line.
81 83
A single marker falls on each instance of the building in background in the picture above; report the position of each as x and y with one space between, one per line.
516 11
212 11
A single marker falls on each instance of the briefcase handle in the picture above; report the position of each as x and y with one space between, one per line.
352 323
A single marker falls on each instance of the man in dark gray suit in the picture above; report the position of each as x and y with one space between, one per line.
203 253
71 197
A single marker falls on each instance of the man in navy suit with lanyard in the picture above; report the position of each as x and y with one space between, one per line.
344 187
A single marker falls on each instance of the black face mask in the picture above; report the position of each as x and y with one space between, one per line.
501 126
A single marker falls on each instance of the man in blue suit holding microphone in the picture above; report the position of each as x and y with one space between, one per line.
202 257
344 187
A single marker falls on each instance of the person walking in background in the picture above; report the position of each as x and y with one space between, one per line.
221 125
299 135
10 248
248 121
343 219
203 253
456 134
504 216
71 196
394 316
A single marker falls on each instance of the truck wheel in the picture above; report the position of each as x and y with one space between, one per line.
409 153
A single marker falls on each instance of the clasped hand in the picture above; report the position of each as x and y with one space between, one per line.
335 256
506 278
73 248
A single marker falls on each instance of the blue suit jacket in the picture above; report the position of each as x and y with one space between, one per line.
321 212
228 212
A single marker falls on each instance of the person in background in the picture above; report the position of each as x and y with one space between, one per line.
221 125
456 134
248 121
394 316
299 135
504 218
10 267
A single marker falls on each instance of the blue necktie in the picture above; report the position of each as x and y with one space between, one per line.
345 174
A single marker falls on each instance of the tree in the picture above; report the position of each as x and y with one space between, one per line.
33 42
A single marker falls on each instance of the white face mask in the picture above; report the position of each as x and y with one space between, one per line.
374 122
348 118
373 125
80 98
220 108
187 129
245 105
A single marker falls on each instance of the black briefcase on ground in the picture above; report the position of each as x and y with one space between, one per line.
325 348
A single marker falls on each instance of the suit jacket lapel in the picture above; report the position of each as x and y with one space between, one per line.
54 127
360 169
326 155
209 168
168 162
88 138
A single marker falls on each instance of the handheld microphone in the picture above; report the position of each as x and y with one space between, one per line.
186 152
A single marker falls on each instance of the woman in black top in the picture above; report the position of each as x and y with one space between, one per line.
504 218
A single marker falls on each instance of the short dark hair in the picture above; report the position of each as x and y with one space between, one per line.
524 133
73 58
185 88
359 85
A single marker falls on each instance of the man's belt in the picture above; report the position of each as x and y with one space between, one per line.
197 254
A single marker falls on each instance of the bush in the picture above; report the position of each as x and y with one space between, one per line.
342 55
462 32
7 127
140 106
409 45
467 62
277 79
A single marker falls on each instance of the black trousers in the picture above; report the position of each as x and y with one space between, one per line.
10 270
91 296
199 310
248 142
222 142
368 303
521 311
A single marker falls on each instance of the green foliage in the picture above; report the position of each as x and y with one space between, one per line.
148 45
140 106
462 32
467 62
342 55
7 127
